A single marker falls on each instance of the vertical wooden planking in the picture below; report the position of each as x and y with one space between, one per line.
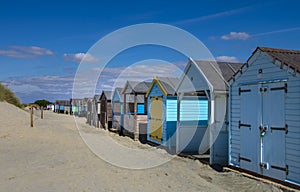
135 129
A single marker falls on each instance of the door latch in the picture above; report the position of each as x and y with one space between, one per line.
263 130
264 165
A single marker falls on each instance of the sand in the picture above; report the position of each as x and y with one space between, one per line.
53 157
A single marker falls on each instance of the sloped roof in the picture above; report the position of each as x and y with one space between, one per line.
119 90
290 58
167 85
136 87
108 94
139 99
218 73
129 98
96 97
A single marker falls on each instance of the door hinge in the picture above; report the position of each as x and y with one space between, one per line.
286 168
285 88
243 158
244 125
243 90
286 129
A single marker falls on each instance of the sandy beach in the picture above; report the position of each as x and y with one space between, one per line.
53 157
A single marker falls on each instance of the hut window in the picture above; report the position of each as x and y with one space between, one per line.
171 112
192 110
140 108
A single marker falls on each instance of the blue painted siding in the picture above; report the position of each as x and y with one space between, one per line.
171 133
169 116
271 72
171 122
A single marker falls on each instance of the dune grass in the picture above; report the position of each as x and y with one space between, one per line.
9 96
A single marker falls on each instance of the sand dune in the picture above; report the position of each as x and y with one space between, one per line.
53 157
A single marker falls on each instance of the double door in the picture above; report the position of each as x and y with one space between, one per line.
263 129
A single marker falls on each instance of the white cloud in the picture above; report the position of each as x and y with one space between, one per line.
117 77
227 59
80 58
236 35
25 52
30 89
52 88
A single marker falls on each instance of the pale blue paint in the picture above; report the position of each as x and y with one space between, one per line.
194 110
284 148
171 107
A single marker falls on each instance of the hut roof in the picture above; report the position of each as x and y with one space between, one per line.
218 73
119 90
167 85
129 98
96 97
291 58
136 87
108 95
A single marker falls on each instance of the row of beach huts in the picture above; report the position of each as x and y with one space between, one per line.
245 116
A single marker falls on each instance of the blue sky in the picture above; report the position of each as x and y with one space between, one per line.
41 43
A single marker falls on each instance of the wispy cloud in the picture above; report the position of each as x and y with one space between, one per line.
51 88
117 77
277 31
236 35
25 52
214 16
80 58
245 36
227 59
30 89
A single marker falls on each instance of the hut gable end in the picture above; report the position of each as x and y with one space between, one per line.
266 92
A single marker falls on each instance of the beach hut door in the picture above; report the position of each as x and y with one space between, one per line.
273 130
248 125
156 118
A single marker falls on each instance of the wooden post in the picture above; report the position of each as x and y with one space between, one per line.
31 116
123 116
42 113
135 129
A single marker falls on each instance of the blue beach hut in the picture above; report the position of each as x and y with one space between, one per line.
264 134
117 111
162 112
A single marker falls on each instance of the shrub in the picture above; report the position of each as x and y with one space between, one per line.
8 96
